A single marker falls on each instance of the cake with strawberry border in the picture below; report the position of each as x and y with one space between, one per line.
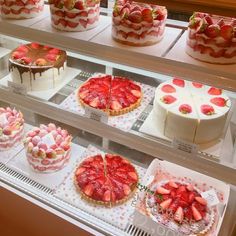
112 94
18 9
108 179
180 207
212 38
11 128
74 15
190 111
138 24
48 148
37 67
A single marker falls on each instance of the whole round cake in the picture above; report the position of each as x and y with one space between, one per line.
11 128
74 15
107 180
138 24
180 207
112 94
20 9
212 38
47 148
190 111
37 67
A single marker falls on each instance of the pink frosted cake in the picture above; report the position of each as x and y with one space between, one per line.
212 38
48 148
11 127
138 24
20 9
74 15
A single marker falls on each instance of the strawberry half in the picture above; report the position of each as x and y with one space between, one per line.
179 215
178 82
213 31
207 109
185 109
219 101
147 15
168 99
214 91
227 32
197 85
135 17
167 88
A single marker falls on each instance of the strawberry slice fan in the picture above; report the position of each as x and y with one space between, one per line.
112 94
106 180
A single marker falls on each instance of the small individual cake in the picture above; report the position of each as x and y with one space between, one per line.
37 67
107 180
138 24
212 38
47 148
180 207
190 111
112 94
19 9
74 15
11 127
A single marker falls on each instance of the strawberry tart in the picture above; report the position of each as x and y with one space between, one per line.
112 94
74 15
11 128
190 111
180 207
212 38
37 67
107 180
21 9
138 24
47 148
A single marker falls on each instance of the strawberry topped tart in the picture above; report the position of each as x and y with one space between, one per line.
180 207
11 127
112 94
20 9
36 66
74 15
107 180
212 38
47 148
138 24
190 111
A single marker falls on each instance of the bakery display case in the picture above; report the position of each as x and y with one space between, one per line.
118 139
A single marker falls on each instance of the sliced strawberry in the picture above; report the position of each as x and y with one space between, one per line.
181 189
136 93
147 15
88 190
197 85
135 17
60 13
227 31
185 109
107 196
168 99
165 204
126 189
207 109
70 15
196 214
190 187
191 197
162 190
201 200
173 184
188 213
208 20
94 103
213 31
179 82
219 101
72 24
115 105
79 5
133 175
167 88
63 22
214 91
179 215
83 22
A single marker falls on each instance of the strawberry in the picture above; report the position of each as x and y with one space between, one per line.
207 110
190 187
165 204
219 101
159 14
83 22
196 214
214 91
227 32
115 105
135 17
17 55
194 22
179 215
133 175
197 85
124 13
147 15
34 45
83 14
36 140
80 171
42 153
208 20
173 184
221 22
60 13
7 130
70 15
42 146
162 190
185 109
51 154
23 49
212 31
89 189
107 196
72 24
167 88
40 62
19 3
201 200
79 5
126 189
181 189
136 93
25 60
191 197
188 213
62 22
168 99
179 82
65 146
52 57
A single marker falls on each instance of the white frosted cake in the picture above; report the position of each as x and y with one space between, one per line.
138 24
11 127
190 111
21 9
37 67
47 148
74 15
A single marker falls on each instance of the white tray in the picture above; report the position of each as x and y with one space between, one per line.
70 74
